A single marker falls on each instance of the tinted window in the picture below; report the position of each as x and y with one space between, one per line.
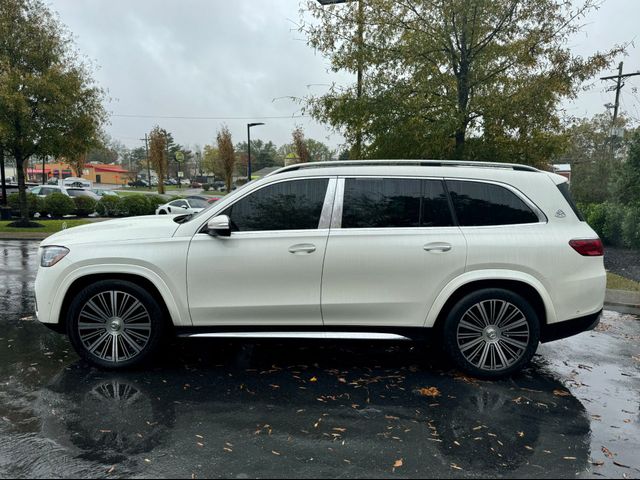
198 203
478 203
294 205
564 189
179 203
394 203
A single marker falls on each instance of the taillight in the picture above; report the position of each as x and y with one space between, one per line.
588 248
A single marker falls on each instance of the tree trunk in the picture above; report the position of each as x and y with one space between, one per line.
228 180
22 191
3 180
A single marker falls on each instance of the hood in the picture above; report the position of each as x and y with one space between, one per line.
133 228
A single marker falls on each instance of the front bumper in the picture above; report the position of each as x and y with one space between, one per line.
557 331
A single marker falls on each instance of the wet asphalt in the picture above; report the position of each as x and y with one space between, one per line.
211 409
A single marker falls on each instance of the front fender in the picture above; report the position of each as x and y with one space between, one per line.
177 310
484 275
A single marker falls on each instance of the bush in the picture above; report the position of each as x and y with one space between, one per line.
59 205
34 202
110 206
154 202
206 187
136 205
631 227
612 229
84 206
596 216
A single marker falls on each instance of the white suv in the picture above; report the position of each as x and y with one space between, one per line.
488 259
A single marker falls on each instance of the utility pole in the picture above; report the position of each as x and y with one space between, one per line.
618 88
619 85
357 152
146 147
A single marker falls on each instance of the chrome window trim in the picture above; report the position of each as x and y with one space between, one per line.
327 207
336 218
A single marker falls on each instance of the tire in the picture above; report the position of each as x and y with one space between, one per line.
162 212
491 333
119 339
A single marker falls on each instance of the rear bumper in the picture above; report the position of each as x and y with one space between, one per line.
557 331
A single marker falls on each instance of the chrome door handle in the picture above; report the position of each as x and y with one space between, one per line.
302 248
437 247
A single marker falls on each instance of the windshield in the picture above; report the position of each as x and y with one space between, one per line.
198 203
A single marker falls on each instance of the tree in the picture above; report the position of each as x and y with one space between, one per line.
463 79
592 159
300 145
49 104
627 182
263 155
157 155
318 151
227 155
78 163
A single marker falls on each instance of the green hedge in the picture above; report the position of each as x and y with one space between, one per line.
59 205
136 205
616 224
110 206
34 202
84 206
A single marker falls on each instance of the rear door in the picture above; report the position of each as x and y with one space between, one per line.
392 247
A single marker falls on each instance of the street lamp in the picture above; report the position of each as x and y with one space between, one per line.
249 125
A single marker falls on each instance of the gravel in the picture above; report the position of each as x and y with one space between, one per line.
623 261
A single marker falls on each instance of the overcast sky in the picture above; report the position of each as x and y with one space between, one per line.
245 58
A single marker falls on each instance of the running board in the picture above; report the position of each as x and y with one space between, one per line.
301 335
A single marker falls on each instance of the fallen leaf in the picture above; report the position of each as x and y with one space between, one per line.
561 393
313 380
607 452
398 463
620 464
429 392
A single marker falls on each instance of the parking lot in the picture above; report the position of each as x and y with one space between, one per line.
237 409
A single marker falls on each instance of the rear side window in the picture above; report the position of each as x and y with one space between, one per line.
564 189
292 205
486 204
394 203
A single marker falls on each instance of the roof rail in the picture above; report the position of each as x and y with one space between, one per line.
413 163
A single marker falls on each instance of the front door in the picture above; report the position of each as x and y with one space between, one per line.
391 250
268 272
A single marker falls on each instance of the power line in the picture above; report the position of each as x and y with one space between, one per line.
185 117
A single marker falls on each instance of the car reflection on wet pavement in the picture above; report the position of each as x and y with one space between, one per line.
212 409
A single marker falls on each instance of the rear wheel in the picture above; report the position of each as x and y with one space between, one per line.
492 333
115 324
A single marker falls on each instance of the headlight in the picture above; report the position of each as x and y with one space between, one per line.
52 255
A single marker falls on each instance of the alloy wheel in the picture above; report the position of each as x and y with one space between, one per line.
493 335
114 326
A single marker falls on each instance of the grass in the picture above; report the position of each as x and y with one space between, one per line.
48 226
616 282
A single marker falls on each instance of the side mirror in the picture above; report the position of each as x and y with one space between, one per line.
219 226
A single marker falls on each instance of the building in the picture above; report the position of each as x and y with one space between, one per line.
563 169
94 172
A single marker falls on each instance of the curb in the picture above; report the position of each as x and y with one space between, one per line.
24 236
622 298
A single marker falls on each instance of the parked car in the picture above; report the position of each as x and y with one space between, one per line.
81 192
196 185
485 259
102 192
44 191
139 183
182 206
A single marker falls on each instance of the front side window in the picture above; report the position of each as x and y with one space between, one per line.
180 204
394 203
290 205
487 204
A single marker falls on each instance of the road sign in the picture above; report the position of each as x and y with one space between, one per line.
179 157
180 174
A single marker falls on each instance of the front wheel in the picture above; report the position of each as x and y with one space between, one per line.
115 324
492 333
